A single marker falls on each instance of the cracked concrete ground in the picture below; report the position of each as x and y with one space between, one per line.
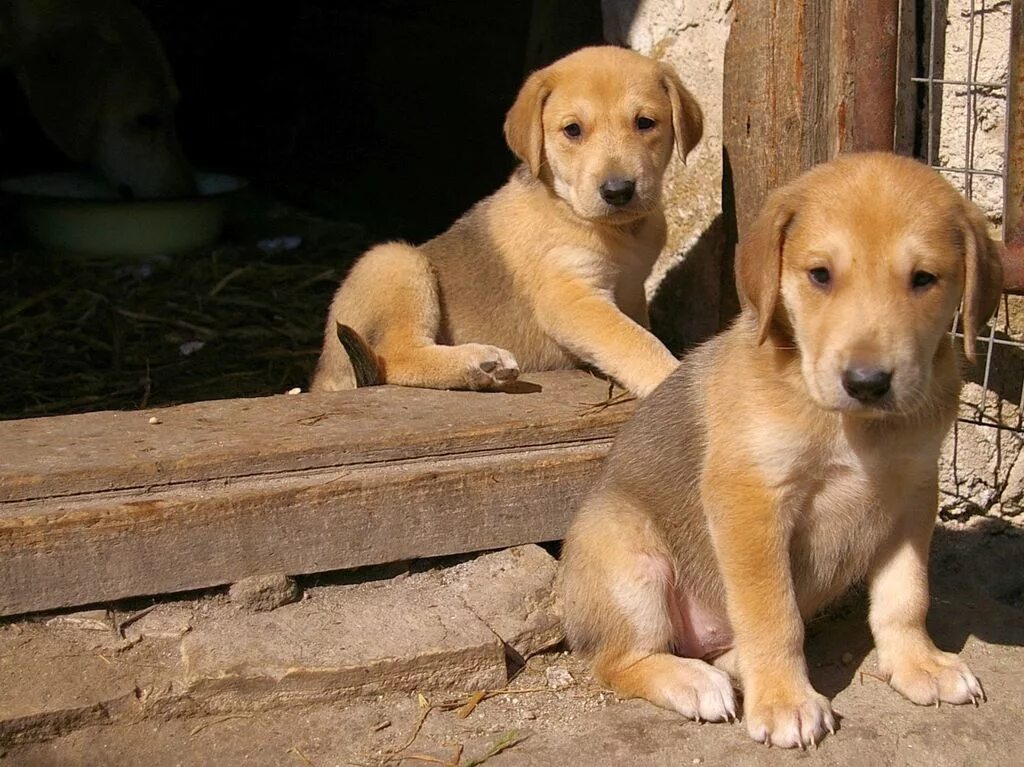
978 609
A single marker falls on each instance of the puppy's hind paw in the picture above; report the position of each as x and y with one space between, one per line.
490 368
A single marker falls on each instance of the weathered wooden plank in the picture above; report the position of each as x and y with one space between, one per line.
51 457
472 472
102 548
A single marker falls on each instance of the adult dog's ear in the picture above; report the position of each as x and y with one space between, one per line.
983 275
524 128
65 85
759 258
687 118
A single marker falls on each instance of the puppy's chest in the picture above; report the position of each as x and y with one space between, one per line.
840 500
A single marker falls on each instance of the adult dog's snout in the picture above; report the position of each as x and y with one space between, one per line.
866 383
618 191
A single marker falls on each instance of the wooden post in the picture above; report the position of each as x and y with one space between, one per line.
804 81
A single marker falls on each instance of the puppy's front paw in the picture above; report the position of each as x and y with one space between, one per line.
933 677
489 367
789 718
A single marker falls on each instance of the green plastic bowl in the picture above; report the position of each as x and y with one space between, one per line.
80 213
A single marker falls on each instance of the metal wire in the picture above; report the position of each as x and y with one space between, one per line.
1001 350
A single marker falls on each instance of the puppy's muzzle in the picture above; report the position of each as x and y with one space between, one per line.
867 384
618 191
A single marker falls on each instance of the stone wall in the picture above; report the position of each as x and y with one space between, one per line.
691 35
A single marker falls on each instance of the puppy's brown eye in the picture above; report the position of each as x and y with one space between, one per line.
644 123
921 280
820 276
572 130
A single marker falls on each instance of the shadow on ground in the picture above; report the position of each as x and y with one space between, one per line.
977 585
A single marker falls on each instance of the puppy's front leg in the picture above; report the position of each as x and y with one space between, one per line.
898 585
752 545
576 307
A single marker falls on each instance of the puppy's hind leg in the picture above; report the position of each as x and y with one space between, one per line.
618 587
406 339
388 313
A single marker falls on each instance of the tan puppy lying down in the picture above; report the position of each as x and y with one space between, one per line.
548 272
789 457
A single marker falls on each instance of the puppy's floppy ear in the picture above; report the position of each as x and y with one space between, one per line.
687 119
983 275
759 258
524 129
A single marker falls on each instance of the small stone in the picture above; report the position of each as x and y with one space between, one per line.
558 678
696 760
296 390
847 658
531 715
264 592
153 420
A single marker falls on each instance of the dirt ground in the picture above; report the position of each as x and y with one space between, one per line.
978 609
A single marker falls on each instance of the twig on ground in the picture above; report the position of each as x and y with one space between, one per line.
305 759
467 708
393 755
459 703
510 739
200 727
610 400
863 674
129 620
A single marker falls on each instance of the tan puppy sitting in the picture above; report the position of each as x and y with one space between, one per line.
548 272
789 457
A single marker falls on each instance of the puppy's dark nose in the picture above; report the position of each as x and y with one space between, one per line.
617 191
866 384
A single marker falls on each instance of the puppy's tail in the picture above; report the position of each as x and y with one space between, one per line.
348 366
365 364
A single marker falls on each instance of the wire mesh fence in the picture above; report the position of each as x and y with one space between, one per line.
960 88
962 91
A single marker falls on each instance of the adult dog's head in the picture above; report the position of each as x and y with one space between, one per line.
598 126
861 264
